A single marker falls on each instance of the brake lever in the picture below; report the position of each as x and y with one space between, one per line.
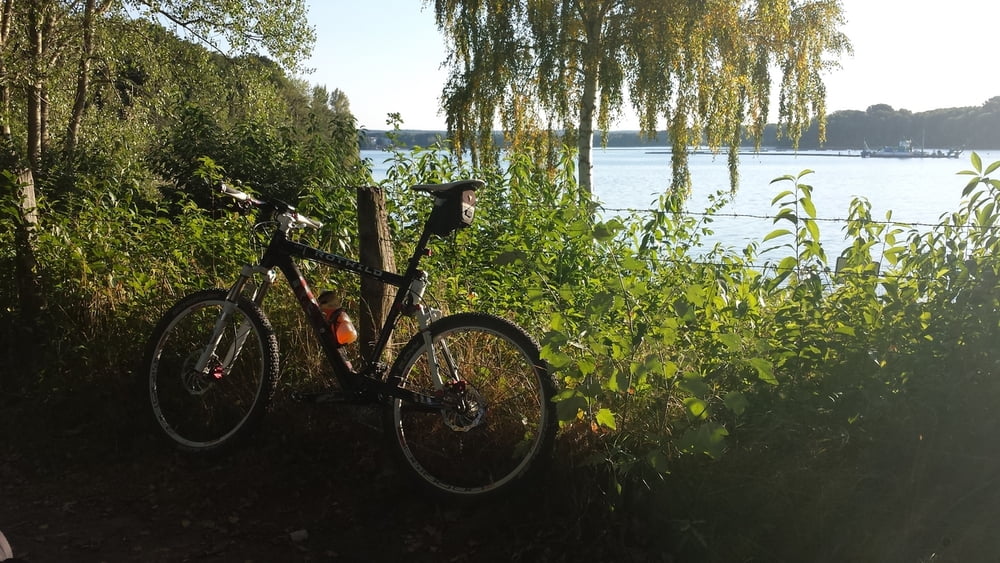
243 207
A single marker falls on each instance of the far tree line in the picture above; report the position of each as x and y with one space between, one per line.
973 127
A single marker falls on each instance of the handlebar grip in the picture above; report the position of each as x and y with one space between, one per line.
237 194
298 218
308 221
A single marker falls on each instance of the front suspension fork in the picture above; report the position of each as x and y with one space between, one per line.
243 331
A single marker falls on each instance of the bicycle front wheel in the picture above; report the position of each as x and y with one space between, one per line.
207 409
506 426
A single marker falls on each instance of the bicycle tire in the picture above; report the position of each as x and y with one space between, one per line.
504 375
209 412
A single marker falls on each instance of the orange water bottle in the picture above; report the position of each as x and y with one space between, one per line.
342 330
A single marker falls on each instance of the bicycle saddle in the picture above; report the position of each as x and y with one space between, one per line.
450 188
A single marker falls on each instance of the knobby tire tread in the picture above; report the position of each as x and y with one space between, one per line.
262 329
524 341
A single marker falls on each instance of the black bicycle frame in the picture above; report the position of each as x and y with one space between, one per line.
281 252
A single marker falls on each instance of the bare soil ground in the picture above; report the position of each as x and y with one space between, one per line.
83 480
79 482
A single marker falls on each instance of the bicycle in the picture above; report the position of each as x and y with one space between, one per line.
466 404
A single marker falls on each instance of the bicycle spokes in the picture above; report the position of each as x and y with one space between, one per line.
469 409
196 382
211 370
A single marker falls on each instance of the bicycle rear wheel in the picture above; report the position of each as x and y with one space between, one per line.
210 409
507 432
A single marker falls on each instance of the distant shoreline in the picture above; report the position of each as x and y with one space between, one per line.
880 125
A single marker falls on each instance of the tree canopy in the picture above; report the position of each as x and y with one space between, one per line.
88 86
52 52
972 127
240 27
702 67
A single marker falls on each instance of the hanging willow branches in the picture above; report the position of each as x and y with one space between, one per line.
702 67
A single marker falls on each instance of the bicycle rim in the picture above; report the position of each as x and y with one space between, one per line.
204 411
477 453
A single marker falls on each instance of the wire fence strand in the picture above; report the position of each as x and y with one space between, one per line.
765 264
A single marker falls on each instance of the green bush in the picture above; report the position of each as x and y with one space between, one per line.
674 359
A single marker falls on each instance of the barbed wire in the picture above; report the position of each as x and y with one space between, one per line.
706 214
763 264
831 274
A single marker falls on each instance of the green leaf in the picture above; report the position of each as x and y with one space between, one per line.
618 382
536 295
555 358
556 322
844 329
651 364
634 264
569 403
683 309
695 294
708 438
696 386
970 186
510 257
781 196
991 168
730 340
809 207
788 264
670 369
606 418
736 402
977 162
696 408
603 232
765 370
786 214
813 228
567 293
776 233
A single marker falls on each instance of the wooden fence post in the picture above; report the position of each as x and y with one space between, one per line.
375 252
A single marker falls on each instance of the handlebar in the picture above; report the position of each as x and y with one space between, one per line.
296 219
238 195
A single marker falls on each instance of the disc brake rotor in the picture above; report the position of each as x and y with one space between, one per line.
195 382
468 413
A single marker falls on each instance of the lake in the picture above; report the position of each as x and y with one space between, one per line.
629 180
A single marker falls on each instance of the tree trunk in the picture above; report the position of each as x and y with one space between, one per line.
6 17
82 79
37 26
593 22
35 126
376 252
23 341
91 11
29 287
585 143
20 336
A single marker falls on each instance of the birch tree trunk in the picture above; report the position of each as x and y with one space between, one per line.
28 283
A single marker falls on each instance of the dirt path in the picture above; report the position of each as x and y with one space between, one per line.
80 484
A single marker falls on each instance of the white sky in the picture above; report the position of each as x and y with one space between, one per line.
386 55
